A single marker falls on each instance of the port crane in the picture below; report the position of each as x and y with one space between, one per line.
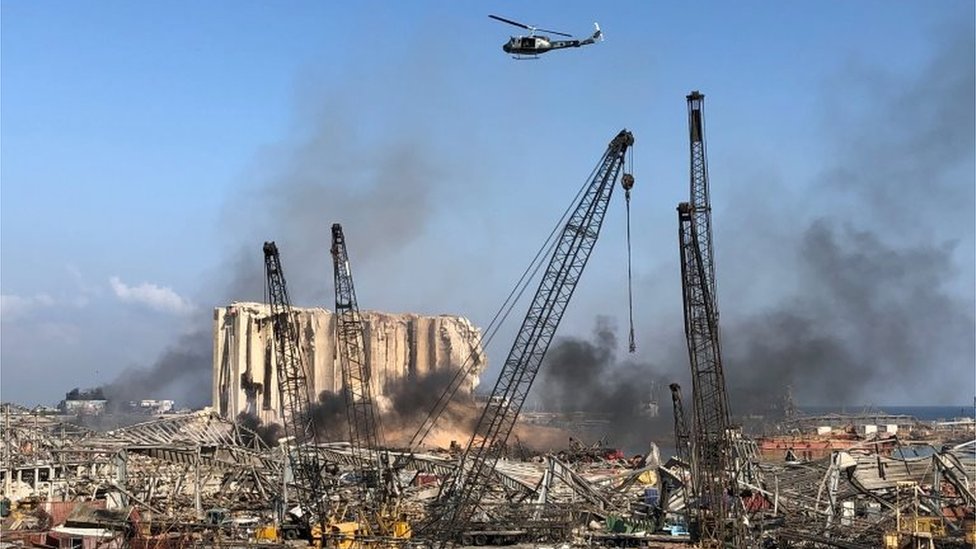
365 429
364 426
460 495
294 396
682 435
682 447
713 473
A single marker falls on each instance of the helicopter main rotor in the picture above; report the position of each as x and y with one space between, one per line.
529 28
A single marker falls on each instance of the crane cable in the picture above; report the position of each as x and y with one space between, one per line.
628 183
501 315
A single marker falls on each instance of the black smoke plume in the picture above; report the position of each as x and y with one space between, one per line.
883 303
406 403
381 191
586 376
382 195
870 319
412 398
268 433
329 416
182 373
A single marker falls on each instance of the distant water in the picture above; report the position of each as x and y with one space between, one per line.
924 413
921 413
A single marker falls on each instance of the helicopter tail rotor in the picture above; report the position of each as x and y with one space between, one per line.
597 34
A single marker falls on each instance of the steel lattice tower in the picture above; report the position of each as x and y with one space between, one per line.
570 255
293 391
364 426
712 472
682 435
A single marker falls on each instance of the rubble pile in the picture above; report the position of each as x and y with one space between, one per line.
198 479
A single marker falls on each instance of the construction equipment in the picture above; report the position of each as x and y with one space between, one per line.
912 529
682 448
470 481
364 432
380 516
294 395
712 465
682 436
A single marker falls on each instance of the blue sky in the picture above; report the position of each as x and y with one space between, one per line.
146 146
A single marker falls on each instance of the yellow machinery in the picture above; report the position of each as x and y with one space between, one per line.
358 534
354 535
402 529
344 535
392 523
969 527
917 532
268 532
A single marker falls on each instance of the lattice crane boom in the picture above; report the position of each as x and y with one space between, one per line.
293 392
682 446
682 435
364 425
699 189
713 468
569 257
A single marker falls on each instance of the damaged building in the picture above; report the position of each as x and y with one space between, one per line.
398 346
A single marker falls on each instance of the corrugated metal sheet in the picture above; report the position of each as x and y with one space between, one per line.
891 471
59 510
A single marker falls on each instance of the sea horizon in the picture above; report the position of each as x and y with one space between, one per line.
928 412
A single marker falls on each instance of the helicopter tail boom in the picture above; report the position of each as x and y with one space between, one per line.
597 36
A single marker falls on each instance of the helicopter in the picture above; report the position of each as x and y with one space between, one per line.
533 44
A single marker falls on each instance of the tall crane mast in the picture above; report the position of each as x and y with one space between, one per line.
682 436
571 252
712 474
293 393
701 203
682 446
364 425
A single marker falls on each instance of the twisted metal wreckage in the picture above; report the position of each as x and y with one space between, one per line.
195 478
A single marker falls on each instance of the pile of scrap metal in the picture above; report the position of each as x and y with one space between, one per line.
540 500
197 479
860 498
191 479
546 499
153 480
579 452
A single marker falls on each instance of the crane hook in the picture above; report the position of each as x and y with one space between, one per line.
628 183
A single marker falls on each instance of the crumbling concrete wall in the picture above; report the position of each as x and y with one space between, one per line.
397 346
